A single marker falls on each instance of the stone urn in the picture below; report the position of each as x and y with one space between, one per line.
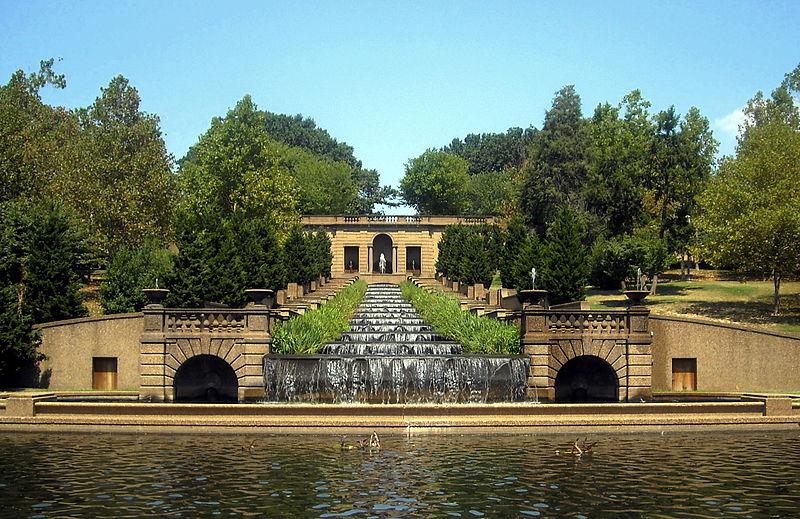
635 297
532 297
260 297
155 296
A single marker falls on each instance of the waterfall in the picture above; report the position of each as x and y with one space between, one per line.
392 356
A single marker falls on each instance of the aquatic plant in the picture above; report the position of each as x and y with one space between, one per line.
477 334
307 333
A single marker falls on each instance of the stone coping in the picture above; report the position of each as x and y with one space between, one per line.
722 324
337 418
109 317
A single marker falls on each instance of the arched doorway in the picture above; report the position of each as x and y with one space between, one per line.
587 379
205 378
382 244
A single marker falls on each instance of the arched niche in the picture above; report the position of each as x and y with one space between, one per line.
587 378
205 378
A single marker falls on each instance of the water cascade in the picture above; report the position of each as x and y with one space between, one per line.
392 356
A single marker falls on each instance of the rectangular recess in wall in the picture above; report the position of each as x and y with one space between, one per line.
684 374
104 373
351 259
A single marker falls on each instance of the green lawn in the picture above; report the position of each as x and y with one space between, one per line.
727 300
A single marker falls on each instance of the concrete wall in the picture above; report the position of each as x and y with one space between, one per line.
729 357
70 346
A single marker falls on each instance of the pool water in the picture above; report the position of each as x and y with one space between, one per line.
194 476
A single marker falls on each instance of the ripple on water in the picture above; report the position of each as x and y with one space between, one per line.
680 475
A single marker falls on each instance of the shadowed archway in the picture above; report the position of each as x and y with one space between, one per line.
587 379
382 244
205 378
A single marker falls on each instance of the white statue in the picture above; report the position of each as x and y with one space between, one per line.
533 278
382 263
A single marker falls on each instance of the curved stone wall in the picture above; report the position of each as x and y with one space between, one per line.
72 344
729 357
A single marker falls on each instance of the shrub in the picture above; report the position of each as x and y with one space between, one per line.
478 335
131 271
307 333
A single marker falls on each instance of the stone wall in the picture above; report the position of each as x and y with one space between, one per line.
71 345
729 357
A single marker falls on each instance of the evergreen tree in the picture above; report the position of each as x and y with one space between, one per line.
131 271
475 263
17 340
55 255
567 263
300 260
557 161
322 253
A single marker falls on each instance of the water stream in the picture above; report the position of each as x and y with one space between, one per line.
390 355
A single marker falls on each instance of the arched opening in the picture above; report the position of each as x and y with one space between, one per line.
587 379
382 244
205 378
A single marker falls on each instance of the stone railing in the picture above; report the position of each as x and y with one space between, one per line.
204 320
381 219
587 322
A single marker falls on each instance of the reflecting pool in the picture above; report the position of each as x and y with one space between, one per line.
645 475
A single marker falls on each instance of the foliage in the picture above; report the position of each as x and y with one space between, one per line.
123 188
307 333
478 335
556 170
618 163
436 183
614 261
17 340
567 263
237 169
751 215
131 271
522 252
219 259
40 254
492 193
32 134
492 152
55 253
470 254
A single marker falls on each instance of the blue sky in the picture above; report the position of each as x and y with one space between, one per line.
394 78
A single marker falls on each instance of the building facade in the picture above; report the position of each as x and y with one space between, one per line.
407 244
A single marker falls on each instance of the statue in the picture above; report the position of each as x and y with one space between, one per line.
382 264
533 278
640 283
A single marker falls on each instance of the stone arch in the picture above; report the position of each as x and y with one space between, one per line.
205 378
383 244
228 350
587 378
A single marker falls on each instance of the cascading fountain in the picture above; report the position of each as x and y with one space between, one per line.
392 356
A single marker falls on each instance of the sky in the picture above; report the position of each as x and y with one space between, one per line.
393 79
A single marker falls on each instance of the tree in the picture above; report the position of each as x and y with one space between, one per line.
436 183
618 165
301 261
33 135
324 186
122 187
132 270
55 255
236 168
614 261
567 262
556 169
17 340
522 252
751 214
493 152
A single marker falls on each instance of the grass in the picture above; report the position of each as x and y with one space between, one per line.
307 333
717 296
478 335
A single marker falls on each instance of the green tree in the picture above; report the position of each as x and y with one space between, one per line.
55 255
132 270
324 186
751 217
322 253
236 168
522 252
567 269
18 342
493 152
33 135
436 183
122 186
618 163
556 169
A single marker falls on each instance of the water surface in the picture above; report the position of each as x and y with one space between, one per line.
674 475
